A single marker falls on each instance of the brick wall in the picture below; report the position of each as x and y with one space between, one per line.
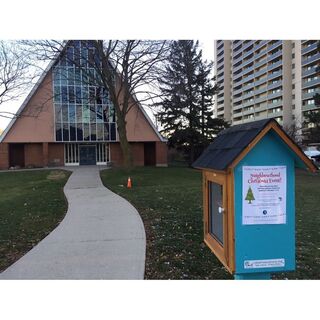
138 154
137 149
33 155
4 156
45 147
55 154
161 154
116 154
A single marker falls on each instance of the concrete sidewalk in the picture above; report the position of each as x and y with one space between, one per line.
101 237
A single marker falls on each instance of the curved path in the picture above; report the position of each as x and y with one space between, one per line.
101 237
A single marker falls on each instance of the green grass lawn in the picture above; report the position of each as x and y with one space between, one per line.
32 204
307 227
170 203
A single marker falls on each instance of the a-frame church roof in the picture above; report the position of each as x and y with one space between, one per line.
40 81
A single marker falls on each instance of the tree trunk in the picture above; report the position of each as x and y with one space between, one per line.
202 116
191 160
125 146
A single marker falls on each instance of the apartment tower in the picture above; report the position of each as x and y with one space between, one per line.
261 79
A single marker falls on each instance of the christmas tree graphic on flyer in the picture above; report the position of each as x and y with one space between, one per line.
249 196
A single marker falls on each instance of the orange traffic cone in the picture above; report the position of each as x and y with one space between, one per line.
129 183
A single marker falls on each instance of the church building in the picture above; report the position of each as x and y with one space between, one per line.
67 120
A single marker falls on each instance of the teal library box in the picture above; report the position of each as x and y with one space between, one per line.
249 198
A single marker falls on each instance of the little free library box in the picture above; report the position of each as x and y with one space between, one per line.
249 198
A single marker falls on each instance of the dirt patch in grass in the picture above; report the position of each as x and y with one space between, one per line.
56 175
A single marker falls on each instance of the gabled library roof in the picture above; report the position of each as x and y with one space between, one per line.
40 80
232 144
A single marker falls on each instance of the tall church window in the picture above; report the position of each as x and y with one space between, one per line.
83 110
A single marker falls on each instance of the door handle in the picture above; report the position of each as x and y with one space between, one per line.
221 210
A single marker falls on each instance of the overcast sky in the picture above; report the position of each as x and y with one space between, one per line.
12 106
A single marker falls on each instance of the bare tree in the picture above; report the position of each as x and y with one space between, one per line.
125 68
15 74
294 131
128 67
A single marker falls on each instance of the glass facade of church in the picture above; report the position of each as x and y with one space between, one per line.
83 110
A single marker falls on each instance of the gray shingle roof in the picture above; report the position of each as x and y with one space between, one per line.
229 144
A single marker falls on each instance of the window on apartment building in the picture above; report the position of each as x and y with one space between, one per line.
220 44
275 61
309 56
220 54
220 67
310 43
293 86
220 94
293 56
275 110
275 51
312 78
309 68
263 58
263 104
276 71
309 102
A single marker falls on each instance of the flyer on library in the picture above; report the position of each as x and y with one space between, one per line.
264 195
